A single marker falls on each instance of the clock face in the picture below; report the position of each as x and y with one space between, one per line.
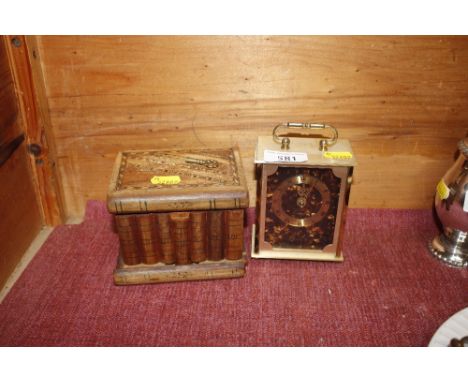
301 207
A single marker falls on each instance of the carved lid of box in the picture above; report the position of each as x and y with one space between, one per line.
177 180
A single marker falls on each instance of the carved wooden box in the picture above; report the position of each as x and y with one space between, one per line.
179 215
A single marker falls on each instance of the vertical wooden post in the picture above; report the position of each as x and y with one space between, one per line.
35 120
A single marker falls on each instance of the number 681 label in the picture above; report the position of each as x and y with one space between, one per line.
284 156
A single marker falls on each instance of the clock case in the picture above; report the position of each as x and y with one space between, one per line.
282 230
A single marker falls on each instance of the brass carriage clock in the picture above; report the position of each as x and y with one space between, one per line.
304 186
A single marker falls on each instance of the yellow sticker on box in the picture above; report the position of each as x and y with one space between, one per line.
337 155
167 179
442 190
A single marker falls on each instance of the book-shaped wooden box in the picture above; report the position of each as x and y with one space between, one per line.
179 215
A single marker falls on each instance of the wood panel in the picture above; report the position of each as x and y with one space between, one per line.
401 101
8 106
20 218
34 112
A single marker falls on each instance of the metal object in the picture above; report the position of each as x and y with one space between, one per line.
302 193
7 150
323 143
35 149
451 206
298 188
209 163
285 142
16 42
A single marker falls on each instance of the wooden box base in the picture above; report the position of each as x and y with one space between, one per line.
161 273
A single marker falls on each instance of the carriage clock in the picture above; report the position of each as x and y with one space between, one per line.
303 190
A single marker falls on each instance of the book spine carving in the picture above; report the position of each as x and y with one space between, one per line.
167 245
198 232
215 228
234 226
180 225
148 238
128 245
181 238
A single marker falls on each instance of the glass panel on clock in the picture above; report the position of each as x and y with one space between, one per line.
301 207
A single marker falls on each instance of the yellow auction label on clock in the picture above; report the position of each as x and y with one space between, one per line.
170 179
337 155
442 190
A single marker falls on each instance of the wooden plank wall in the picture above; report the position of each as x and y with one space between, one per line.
402 101
20 217
27 74
9 128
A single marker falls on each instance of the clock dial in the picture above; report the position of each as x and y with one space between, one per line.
301 207
301 200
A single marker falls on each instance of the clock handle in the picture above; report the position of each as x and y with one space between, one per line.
323 143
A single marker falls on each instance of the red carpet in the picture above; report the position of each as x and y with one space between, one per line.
388 292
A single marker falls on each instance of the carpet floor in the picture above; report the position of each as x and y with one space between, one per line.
388 292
